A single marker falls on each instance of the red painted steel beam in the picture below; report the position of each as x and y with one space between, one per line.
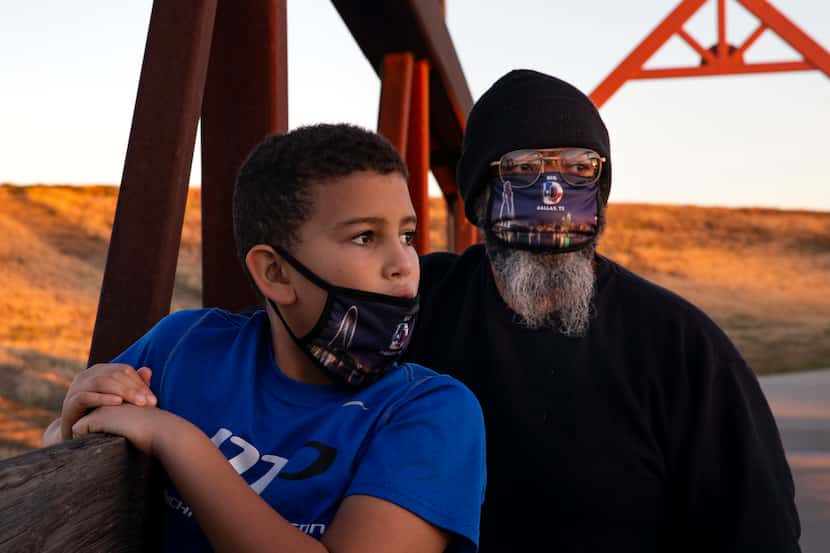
706 71
750 40
465 234
418 26
705 54
404 119
786 29
396 98
633 63
246 98
417 152
460 232
445 172
726 60
723 46
141 263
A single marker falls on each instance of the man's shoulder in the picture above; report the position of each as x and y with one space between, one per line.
626 284
443 266
414 383
656 306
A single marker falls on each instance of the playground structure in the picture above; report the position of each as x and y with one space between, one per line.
218 69
225 63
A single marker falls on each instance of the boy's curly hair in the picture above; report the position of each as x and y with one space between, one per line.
272 197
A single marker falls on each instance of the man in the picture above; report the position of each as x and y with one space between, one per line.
619 417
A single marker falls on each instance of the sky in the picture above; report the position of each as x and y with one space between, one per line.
69 73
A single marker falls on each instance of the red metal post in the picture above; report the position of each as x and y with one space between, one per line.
465 234
395 98
723 47
460 232
417 152
738 69
141 262
246 98
750 40
705 54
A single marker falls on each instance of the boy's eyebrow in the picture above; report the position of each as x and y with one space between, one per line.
361 221
373 221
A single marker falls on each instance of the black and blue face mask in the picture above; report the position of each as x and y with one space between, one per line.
545 211
359 334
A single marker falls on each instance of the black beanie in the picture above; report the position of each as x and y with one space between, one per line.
528 109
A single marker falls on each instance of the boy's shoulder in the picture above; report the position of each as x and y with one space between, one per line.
177 328
186 320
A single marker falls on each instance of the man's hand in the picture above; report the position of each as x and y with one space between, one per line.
140 425
101 385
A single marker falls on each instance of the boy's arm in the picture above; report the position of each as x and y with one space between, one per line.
118 381
233 516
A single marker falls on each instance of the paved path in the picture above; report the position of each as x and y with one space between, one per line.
801 404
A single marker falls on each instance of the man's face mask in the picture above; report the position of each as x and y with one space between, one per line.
545 200
359 334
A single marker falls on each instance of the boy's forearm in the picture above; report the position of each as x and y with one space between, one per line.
231 514
52 434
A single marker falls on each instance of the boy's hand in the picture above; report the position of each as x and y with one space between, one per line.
140 425
105 384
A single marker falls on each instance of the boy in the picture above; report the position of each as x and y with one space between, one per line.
333 439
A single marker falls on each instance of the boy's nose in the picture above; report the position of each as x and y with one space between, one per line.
399 267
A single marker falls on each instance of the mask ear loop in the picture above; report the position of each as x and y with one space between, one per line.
346 370
285 324
314 279
299 342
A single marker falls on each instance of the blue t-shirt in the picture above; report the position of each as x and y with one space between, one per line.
414 438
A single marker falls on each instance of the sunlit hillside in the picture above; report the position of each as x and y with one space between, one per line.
764 275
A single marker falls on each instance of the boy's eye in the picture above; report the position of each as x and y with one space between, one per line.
408 238
364 238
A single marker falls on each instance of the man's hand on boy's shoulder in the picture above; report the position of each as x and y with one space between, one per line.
105 384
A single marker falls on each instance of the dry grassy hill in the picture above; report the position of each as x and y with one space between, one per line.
764 275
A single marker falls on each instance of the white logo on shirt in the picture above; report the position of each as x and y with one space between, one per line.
310 528
355 404
248 457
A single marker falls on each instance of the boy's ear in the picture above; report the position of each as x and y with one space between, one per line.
270 275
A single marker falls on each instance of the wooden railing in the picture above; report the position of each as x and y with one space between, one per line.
85 495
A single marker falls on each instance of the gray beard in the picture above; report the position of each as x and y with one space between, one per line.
545 290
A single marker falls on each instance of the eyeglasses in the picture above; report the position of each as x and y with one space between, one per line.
579 167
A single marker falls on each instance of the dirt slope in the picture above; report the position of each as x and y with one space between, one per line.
764 275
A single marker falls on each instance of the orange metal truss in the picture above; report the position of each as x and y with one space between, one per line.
723 58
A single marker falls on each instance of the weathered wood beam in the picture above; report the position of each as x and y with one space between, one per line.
143 251
91 494
246 98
